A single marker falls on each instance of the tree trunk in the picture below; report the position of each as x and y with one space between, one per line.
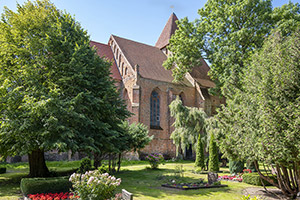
97 160
113 165
109 162
37 164
119 161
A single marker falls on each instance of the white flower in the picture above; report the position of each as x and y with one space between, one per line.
90 180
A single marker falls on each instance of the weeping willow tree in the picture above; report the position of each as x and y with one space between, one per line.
189 124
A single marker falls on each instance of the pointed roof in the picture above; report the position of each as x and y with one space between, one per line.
167 32
104 50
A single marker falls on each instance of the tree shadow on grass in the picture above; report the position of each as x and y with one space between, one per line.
10 184
148 182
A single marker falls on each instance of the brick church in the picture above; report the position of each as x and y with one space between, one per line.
148 88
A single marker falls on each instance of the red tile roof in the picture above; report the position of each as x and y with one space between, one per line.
200 74
103 50
168 30
148 58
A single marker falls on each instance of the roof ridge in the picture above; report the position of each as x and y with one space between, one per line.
133 41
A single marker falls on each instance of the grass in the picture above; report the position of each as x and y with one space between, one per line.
136 177
145 184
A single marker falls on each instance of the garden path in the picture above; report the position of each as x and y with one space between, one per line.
272 194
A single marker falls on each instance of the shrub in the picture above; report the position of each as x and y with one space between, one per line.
94 186
103 169
236 166
254 179
85 165
2 170
155 159
213 163
200 154
251 166
45 185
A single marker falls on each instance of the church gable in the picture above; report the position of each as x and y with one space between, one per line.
104 50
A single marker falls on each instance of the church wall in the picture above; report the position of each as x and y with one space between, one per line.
161 142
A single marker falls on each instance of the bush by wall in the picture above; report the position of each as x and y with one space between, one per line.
2 170
254 179
45 185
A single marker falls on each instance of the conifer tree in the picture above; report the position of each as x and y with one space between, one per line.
213 163
200 154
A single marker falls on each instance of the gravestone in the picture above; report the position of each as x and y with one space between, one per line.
212 177
126 195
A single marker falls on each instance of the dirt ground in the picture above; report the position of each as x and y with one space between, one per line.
270 194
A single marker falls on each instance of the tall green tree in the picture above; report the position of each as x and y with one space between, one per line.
55 92
200 159
262 123
226 34
189 123
213 162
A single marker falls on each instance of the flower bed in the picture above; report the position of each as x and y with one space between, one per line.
237 178
192 186
52 196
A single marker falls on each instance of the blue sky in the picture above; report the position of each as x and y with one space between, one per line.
139 20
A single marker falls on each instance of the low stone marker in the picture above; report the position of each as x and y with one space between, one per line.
212 177
126 195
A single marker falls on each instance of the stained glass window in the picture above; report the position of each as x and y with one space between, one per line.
154 110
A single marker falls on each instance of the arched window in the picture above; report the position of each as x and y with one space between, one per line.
122 69
154 110
126 71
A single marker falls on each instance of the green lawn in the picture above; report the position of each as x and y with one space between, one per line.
144 183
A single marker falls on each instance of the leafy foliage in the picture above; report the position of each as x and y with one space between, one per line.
85 165
45 185
94 186
189 123
132 137
155 159
262 122
137 136
236 166
226 34
254 179
55 91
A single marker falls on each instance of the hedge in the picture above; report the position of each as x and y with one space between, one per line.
254 179
45 185
2 170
